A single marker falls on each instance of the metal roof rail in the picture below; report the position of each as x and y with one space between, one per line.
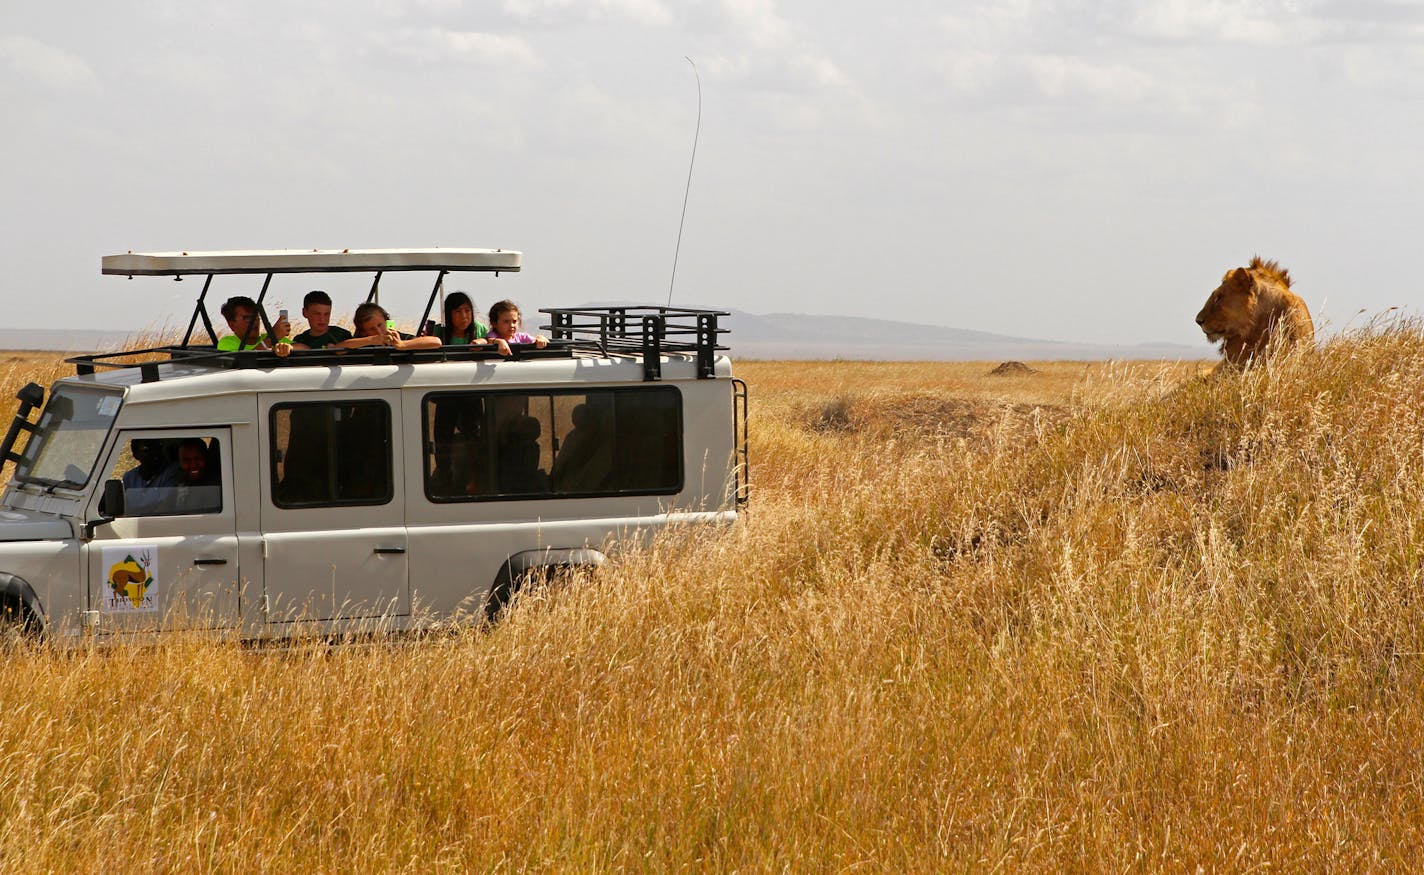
649 330
208 357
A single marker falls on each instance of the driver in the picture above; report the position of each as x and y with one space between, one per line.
148 488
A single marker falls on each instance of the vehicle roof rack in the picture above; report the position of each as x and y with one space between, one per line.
644 332
649 331
147 361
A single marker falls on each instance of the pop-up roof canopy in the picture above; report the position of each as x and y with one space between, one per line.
274 261
308 261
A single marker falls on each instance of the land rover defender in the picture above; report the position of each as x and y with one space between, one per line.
182 486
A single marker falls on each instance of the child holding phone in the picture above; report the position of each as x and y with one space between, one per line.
241 315
374 327
320 333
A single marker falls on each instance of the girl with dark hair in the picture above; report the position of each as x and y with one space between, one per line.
461 326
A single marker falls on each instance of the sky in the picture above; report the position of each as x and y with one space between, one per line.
1036 168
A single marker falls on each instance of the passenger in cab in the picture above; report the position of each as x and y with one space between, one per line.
198 489
504 325
519 452
241 312
320 333
461 326
372 329
585 454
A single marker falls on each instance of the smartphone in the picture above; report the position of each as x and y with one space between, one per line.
391 324
281 314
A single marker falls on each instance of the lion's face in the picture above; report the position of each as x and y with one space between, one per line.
1231 310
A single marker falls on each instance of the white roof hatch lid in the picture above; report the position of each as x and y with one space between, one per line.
308 261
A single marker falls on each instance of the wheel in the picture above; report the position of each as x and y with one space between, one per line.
506 586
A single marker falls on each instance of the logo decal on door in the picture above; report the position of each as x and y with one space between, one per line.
131 585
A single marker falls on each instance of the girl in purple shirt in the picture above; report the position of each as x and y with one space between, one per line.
504 325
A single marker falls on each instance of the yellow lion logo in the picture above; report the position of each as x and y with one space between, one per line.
1253 305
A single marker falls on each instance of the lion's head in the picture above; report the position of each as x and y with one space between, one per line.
1251 304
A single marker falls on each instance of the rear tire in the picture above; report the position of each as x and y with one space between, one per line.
506 587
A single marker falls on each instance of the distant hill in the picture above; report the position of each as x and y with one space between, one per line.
799 336
784 336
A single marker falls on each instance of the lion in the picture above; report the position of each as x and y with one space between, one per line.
1252 306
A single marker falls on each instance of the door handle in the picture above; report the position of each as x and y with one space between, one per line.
210 561
385 550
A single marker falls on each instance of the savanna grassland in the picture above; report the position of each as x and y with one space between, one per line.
1096 617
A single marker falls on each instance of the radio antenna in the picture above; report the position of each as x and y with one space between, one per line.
695 134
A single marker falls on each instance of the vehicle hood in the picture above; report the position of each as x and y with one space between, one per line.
29 525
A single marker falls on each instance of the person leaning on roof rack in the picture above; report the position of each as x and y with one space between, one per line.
240 312
504 326
374 328
320 333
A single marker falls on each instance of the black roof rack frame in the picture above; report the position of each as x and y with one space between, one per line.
649 331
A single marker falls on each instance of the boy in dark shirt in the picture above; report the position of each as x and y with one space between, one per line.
316 309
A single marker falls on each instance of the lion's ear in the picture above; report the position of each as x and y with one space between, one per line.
1240 278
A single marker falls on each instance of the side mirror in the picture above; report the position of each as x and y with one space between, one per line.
113 503
110 505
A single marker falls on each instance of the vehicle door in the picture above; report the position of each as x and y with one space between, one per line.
333 519
168 558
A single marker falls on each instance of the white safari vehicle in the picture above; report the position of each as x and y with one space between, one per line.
326 492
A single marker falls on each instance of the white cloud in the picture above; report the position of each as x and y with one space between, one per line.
1037 76
1263 22
1166 55
434 47
1059 75
768 52
758 21
790 71
492 49
52 66
651 13
1394 71
1201 22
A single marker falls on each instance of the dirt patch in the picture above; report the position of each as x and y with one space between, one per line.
1012 369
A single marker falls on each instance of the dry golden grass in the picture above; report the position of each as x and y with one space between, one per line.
1103 617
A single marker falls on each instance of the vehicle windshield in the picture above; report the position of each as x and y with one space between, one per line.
71 433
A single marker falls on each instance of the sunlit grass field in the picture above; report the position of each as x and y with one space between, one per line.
1094 617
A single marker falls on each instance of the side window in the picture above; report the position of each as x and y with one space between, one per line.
553 444
647 436
171 476
331 453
